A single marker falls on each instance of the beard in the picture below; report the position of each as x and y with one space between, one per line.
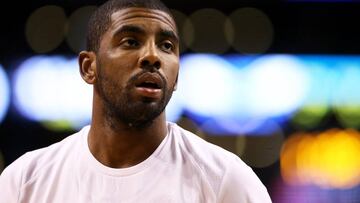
121 107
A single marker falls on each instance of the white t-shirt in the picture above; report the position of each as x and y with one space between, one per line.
184 168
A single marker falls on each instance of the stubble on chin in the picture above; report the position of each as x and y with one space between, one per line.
123 110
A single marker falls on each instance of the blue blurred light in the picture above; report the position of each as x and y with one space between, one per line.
4 93
230 126
51 89
347 90
322 79
285 193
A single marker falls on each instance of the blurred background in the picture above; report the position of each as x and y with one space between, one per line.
275 82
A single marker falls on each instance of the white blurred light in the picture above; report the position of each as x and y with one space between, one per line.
4 93
270 86
207 83
51 89
279 84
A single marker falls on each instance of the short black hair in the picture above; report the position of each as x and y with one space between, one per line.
99 21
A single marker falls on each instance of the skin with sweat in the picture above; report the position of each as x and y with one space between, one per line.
134 73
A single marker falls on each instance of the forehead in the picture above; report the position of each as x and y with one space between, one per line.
142 16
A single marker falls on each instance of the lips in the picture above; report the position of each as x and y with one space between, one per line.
149 80
149 85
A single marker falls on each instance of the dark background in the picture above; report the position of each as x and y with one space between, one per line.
299 28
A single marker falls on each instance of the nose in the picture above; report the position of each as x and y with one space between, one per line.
150 57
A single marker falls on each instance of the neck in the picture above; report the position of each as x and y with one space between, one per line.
123 145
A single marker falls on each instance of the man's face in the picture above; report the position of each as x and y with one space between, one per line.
137 65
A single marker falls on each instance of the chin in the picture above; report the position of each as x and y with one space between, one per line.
140 124
140 114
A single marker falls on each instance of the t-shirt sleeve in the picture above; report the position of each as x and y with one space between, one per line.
241 185
10 182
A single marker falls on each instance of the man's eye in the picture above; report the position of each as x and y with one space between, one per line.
130 43
167 46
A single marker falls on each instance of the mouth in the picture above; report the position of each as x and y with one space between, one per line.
149 80
149 85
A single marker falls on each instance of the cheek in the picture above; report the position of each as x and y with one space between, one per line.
123 60
119 70
112 78
171 72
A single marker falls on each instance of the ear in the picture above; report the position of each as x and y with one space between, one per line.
87 65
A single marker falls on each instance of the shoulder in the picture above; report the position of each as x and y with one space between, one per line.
241 184
231 178
204 152
27 166
40 159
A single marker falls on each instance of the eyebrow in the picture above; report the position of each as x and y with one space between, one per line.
138 30
129 29
169 34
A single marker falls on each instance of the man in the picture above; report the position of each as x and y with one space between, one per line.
130 153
